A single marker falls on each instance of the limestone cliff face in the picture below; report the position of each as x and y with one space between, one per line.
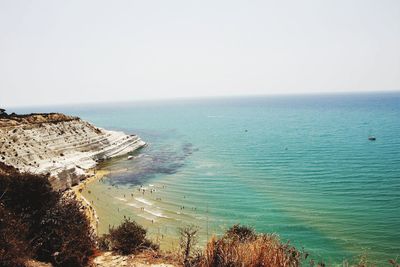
59 145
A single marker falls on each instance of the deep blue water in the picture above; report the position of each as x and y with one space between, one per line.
300 166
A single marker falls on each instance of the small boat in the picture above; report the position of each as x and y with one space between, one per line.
130 157
371 138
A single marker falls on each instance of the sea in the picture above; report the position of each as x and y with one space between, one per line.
301 167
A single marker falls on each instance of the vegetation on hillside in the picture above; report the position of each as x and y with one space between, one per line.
188 238
128 238
32 118
241 246
37 222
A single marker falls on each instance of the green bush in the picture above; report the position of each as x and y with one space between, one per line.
129 237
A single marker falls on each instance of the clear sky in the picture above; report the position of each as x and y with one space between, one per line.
55 52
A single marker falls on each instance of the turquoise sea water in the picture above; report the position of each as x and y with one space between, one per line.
299 166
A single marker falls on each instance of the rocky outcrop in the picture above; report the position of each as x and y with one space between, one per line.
62 146
108 259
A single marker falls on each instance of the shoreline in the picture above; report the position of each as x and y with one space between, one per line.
76 190
68 150
143 204
169 242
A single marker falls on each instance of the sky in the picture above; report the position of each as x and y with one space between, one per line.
61 52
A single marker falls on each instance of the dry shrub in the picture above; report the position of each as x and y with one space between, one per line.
6 169
64 237
241 232
103 242
13 248
53 230
187 241
28 196
260 250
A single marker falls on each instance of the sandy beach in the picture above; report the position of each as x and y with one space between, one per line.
77 191
103 213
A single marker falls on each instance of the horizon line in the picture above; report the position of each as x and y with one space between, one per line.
187 98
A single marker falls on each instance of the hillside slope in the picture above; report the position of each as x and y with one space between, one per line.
62 146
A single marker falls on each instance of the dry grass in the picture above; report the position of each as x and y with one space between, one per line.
262 250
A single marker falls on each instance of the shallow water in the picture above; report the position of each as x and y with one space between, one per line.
300 166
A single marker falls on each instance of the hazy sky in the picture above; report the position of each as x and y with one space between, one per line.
89 51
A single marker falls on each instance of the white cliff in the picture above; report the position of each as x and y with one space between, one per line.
62 146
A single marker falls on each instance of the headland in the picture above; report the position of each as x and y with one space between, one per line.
63 147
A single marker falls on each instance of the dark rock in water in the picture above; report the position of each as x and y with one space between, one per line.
153 162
